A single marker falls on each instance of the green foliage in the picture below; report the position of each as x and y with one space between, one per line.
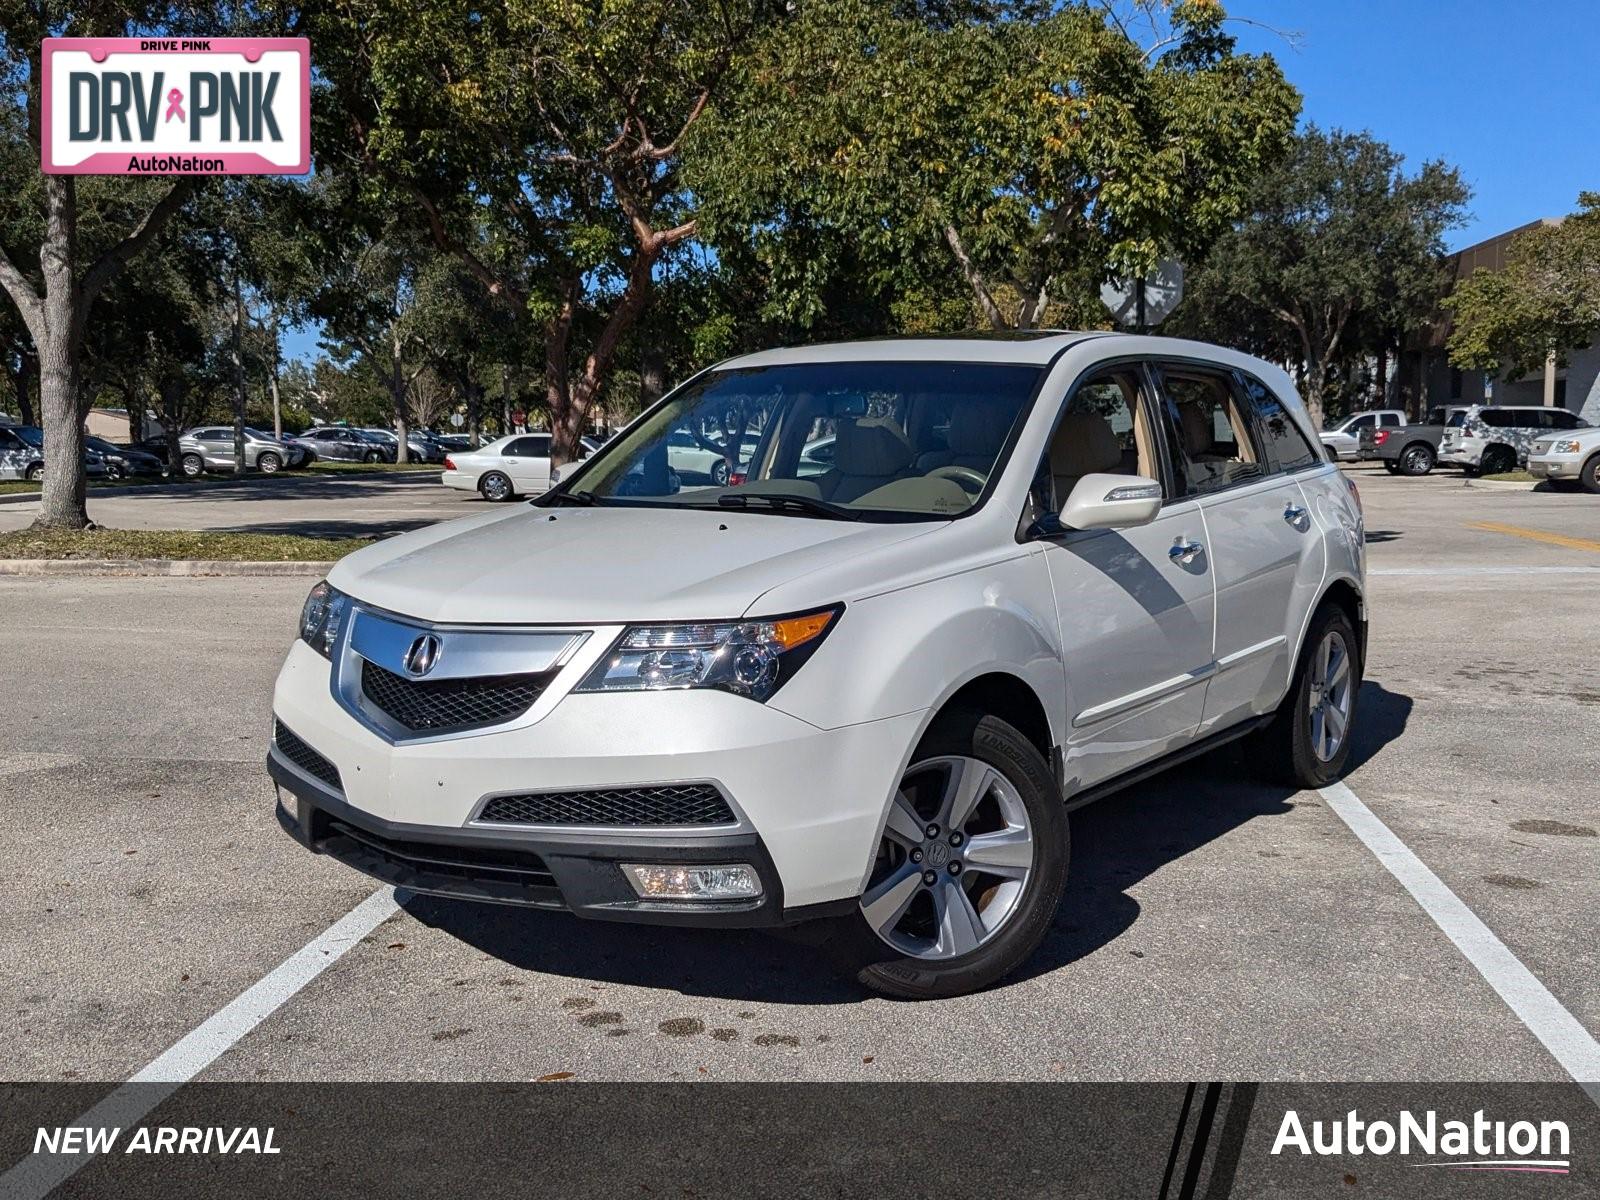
1545 301
1340 254
1023 158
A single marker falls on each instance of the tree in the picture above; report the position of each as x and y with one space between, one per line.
1340 251
1028 153
88 234
1544 302
538 141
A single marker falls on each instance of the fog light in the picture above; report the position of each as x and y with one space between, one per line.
736 882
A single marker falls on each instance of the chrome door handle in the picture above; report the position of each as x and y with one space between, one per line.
1296 516
1184 551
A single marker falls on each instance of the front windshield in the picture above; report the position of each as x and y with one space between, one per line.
872 440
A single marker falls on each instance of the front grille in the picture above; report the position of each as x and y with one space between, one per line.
304 757
438 705
672 804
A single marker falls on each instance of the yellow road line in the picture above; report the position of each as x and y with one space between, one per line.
1538 535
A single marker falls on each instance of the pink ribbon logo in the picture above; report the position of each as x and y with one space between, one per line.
175 105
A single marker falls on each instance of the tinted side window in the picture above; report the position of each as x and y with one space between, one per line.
1495 418
1287 448
1363 422
1563 418
528 447
1212 434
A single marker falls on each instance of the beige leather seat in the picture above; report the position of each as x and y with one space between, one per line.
1084 445
868 453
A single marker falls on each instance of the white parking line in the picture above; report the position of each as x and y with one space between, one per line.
1568 1042
37 1174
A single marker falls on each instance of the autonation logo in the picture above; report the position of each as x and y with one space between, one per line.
1476 1145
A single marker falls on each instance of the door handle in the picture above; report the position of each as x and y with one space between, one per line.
1184 551
1296 516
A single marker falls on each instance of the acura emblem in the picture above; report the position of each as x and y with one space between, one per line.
422 656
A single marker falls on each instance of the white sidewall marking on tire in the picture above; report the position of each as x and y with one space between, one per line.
38 1174
1568 1042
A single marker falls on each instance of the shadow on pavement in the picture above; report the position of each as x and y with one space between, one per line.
1116 842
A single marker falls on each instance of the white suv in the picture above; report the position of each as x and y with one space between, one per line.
1037 570
1494 438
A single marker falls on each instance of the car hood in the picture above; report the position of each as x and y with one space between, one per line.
604 565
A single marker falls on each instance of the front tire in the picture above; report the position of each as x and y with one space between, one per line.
193 465
372 456
1589 477
495 487
1497 460
971 866
269 463
35 473
1307 745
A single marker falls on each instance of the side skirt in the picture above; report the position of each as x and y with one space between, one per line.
1205 745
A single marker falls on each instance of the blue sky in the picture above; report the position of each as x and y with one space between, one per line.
1508 93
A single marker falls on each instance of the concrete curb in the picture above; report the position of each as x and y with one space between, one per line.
1502 485
176 567
200 489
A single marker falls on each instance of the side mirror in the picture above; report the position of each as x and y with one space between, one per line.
1105 501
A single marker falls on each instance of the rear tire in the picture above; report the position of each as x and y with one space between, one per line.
193 465
999 867
495 487
719 473
1589 477
1417 459
372 456
1497 460
1307 745
34 473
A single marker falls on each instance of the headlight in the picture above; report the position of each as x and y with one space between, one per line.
747 658
322 617
1568 447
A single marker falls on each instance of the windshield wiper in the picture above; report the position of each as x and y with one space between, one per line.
783 502
587 499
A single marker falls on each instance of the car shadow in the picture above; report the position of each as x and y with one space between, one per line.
1116 842
1383 535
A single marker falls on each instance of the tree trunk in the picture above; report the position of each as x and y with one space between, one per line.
397 399
238 374
474 396
272 382
1316 383
172 420
652 376
25 372
62 504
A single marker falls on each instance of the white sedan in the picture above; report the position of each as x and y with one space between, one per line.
502 470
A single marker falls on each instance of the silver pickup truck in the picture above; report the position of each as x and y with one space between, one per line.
1409 449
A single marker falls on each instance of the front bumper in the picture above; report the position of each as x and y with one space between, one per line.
809 802
536 869
1556 466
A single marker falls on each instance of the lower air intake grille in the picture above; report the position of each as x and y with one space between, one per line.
439 705
304 757
673 804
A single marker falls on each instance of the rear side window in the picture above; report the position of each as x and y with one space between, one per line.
1287 448
528 447
1211 432
1457 419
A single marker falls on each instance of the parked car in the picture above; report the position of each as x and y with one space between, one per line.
1571 458
211 448
123 461
1490 439
419 444
1409 449
868 696
504 469
454 441
338 443
19 459
94 463
1344 438
307 448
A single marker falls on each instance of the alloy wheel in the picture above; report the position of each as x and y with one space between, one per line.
955 861
1417 461
1328 698
495 487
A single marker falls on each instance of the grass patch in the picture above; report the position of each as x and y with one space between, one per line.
8 486
329 467
175 544
1511 477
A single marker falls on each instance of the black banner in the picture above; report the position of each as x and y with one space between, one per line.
1153 1141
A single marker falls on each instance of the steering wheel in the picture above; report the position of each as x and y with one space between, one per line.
972 481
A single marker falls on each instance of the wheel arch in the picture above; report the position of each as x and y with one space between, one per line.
1345 594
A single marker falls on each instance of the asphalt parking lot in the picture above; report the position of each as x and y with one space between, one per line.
1214 928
